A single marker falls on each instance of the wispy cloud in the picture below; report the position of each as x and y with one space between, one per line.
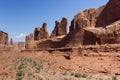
21 35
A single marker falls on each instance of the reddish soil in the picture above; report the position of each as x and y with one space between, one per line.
97 65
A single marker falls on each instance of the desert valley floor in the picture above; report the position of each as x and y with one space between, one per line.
46 65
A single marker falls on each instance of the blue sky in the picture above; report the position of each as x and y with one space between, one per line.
20 17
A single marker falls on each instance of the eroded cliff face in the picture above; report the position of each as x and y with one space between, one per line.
90 27
29 41
87 18
3 38
41 33
60 28
110 14
84 27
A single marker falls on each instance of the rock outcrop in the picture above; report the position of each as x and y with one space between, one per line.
83 29
29 41
90 27
110 14
11 41
60 28
87 18
21 45
41 33
30 37
3 38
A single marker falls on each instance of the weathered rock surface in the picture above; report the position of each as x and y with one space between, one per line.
83 29
21 45
30 37
110 14
3 38
60 28
87 18
41 33
92 26
29 41
11 41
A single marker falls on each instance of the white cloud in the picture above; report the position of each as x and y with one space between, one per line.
21 35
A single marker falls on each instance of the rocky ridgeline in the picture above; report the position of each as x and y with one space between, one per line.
41 38
3 38
90 27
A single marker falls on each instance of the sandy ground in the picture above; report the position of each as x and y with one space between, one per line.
55 66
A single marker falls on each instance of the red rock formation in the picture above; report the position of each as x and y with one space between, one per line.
11 41
81 32
30 37
41 33
21 45
29 41
78 35
60 28
3 38
84 28
87 18
110 14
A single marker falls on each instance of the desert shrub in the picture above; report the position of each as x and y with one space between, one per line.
72 74
39 66
66 79
100 79
65 73
23 67
19 75
84 75
79 75
54 73
114 78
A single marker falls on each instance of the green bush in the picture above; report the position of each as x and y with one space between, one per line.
79 75
114 78
84 76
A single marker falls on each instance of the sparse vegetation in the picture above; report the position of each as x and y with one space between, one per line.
114 78
65 73
54 73
79 75
66 79
27 67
